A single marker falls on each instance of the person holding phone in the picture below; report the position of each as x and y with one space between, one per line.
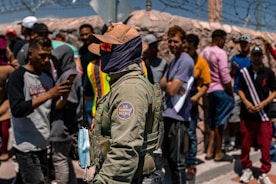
30 93
66 116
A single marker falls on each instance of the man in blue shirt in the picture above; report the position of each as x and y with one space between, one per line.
177 115
238 62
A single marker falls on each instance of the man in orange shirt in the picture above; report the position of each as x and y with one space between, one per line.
202 79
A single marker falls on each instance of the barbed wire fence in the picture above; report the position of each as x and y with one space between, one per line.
9 6
243 13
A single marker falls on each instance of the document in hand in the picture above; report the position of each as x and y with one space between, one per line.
178 101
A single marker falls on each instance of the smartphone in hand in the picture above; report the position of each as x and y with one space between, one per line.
71 78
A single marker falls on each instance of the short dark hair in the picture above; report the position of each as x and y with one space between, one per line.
60 35
174 30
86 26
40 42
218 33
192 38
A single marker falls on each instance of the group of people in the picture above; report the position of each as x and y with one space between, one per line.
50 88
44 105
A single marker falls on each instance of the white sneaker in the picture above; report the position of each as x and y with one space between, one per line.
158 151
264 179
246 176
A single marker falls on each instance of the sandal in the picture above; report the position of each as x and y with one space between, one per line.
225 158
4 158
209 158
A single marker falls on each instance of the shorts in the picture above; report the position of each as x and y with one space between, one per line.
219 109
235 117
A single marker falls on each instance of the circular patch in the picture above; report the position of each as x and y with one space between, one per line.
125 110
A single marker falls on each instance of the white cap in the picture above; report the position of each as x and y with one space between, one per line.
257 49
29 21
149 39
245 38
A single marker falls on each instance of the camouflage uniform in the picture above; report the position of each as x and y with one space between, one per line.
121 116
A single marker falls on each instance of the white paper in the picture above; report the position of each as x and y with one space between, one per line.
178 101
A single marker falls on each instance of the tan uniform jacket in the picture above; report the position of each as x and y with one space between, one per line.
122 115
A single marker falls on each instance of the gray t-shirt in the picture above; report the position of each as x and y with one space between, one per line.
31 127
158 67
23 54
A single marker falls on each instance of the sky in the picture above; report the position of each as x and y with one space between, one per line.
235 12
57 11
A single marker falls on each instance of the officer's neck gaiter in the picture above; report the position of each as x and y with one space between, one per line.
116 57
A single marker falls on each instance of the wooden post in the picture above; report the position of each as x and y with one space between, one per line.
148 5
214 11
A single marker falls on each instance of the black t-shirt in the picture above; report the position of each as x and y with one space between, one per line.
264 83
86 56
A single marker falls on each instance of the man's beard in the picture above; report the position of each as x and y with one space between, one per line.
257 62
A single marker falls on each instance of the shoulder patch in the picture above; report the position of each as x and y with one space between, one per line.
125 110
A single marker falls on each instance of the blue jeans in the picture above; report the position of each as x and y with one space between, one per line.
88 111
191 159
32 165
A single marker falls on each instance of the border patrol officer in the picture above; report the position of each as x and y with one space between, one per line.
122 116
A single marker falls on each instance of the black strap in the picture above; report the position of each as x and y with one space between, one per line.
84 122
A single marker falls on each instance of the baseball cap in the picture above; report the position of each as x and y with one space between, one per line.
150 38
256 49
11 31
117 33
40 28
28 21
245 38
